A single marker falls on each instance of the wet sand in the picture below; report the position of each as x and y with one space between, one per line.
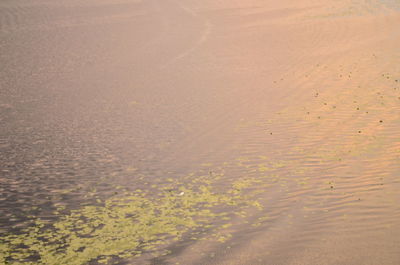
188 132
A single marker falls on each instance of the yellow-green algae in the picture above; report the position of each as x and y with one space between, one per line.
126 226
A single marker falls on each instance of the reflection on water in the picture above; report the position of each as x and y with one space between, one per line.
244 169
335 158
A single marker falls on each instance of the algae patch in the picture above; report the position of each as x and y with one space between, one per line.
124 226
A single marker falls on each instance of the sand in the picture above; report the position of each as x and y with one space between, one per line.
291 104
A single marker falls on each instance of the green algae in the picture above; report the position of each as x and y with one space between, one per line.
127 225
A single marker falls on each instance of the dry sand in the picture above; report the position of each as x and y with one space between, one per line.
302 96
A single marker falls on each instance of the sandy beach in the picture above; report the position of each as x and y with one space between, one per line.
200 132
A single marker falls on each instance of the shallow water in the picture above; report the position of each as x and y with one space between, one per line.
180 132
